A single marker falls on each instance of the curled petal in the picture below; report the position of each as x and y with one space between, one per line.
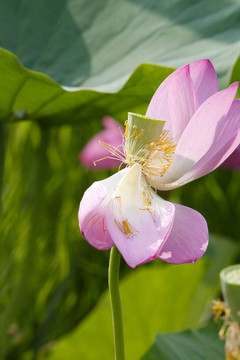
200 133
94 151
138 228
188 239
227 139
187 87
225 152
92 212
158 107
182 101
201 168
204 79
174 101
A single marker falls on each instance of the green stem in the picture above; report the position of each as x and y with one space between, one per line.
21 289
113 283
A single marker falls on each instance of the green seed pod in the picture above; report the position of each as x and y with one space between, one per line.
141 130
230 284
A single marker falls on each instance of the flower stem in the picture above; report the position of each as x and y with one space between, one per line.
113 283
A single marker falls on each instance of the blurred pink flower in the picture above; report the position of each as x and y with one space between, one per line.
233 161
93 151
201 131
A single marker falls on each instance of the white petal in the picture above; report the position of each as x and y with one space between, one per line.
92 219
138 220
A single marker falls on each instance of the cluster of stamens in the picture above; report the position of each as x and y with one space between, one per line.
147 197
154 155
230 330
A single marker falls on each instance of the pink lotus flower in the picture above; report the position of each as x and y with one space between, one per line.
201 130
92 151
233 162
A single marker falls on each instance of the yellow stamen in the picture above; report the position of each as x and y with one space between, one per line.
123 134
93 217
96 219
114 151
147 199
103 223
155 156
230 330
126 228
220 310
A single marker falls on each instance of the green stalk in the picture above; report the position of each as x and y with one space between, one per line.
113 283
21 289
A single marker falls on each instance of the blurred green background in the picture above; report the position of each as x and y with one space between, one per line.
52 300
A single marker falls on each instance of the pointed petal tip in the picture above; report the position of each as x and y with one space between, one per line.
234 85
185 68
207 61
133 265
205 64
200 61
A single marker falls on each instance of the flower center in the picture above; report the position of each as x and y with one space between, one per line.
154 155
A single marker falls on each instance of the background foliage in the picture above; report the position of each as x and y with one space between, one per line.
93 59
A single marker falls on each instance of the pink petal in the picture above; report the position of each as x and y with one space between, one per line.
94 151
233 161
109 123
182 102
204 79
189 90
202 168
226 141
172 92
225 152
91 215
200 133
137 232
188 239
158 106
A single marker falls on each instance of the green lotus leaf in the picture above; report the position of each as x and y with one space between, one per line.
31 95
95 51
203 344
